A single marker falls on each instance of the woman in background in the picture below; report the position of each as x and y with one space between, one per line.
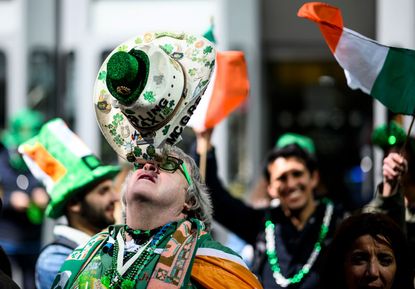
368 251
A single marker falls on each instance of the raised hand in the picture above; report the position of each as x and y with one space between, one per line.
394 166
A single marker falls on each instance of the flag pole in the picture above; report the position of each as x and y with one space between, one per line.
407 136
202 164
203 140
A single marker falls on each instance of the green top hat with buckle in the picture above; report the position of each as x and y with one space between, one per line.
127 74
63 163
302 141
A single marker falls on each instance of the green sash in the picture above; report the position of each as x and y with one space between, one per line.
77 261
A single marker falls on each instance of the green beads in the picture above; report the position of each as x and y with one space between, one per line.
273 256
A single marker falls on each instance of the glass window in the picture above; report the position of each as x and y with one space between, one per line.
41 80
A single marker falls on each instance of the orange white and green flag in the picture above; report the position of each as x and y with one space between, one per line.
228 90
386 73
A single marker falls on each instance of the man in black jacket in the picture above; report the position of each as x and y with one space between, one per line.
289 238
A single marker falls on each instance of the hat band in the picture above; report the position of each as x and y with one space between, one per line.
169 117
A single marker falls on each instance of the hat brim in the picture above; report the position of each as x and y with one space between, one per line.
188 50
56 206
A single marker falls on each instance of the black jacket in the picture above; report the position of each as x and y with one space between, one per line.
293 247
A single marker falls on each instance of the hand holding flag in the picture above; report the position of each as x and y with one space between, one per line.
386 73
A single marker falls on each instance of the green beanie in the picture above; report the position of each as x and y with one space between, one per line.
304 142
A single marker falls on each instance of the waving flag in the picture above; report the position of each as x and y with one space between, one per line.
225 93
386 73
227 90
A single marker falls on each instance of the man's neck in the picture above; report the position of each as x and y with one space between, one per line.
147 217
300 217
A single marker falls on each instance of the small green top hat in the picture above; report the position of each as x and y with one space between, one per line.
127 74
388 135
65 165
304 142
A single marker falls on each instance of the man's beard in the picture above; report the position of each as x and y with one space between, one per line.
95 217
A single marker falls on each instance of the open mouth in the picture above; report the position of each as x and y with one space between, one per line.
147 177
292 194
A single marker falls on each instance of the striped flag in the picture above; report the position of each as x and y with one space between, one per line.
213 260
228 90
386 73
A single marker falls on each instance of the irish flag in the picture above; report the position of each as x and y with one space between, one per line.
225 93
386 73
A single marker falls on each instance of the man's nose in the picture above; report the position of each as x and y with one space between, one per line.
150 167
291 181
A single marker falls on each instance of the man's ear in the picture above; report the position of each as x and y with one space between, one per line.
315 178
74 207
186 207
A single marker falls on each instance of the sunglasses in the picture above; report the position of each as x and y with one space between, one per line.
168 164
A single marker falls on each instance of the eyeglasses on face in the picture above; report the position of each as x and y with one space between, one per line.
168 164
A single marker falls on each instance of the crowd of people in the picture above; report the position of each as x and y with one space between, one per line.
164 238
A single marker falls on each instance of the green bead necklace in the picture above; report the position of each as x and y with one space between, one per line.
125 274
272 252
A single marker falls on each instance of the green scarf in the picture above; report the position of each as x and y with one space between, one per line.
169 268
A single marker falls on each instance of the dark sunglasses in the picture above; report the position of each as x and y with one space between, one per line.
168 164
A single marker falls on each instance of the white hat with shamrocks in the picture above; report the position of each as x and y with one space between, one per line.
148 88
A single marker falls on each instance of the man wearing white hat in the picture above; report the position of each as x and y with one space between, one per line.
145 93
80 188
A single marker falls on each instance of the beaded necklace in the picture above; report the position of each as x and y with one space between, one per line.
125 275
272 252
140 236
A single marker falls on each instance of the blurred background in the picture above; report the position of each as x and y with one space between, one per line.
50 52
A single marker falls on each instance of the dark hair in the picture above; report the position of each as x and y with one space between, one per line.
375 225
79 194
292 150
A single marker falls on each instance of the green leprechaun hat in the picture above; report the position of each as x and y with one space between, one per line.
127 75
302 141
63 163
